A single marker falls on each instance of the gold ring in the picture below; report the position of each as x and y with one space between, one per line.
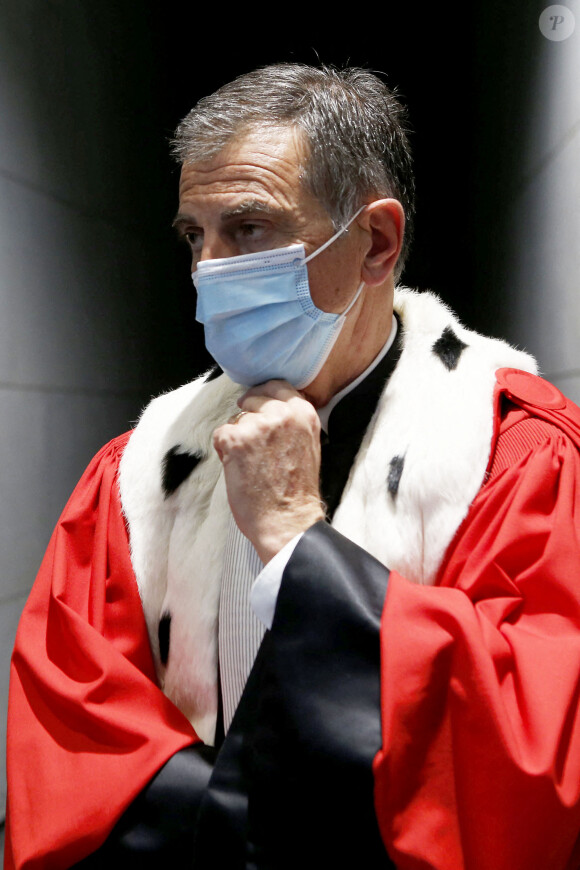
235 418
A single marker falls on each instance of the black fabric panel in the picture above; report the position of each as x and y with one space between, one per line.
293 784
347 425
159 824
221 831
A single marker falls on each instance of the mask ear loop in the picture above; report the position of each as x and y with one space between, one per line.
353 300
327 244
334 237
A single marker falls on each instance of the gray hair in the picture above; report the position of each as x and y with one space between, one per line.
354 126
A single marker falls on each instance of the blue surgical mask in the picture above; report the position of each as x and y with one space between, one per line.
259 318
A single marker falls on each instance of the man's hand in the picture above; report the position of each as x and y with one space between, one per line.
271 459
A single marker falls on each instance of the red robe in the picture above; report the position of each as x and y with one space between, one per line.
88 727
480 701
481 722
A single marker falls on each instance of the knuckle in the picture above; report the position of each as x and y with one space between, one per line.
310 415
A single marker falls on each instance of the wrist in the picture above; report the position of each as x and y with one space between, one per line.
282 528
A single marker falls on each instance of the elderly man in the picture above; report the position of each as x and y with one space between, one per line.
344 626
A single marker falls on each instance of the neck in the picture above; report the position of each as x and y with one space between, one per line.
363 335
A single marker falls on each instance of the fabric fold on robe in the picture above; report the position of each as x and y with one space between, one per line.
89 727
480 766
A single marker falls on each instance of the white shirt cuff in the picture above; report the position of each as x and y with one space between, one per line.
266 586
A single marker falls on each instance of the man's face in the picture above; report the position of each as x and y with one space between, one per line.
250 198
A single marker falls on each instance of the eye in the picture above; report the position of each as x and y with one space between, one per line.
251 231
194 238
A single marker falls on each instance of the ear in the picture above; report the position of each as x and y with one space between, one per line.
384 221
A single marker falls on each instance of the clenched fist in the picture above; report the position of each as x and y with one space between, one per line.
271 459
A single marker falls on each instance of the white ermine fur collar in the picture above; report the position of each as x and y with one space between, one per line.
420 465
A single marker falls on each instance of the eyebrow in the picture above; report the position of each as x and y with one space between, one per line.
180 219
249 206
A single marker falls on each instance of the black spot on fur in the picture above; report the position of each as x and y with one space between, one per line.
449 348
395 471
176 467
213 374
164 632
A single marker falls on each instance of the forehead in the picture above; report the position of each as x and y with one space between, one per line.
265 164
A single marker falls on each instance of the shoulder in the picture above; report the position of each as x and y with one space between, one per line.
113 450
429 440
538 397
531 415
177 423
99 477
432 330
523 522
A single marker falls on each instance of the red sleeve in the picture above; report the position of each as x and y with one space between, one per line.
480 766
88 727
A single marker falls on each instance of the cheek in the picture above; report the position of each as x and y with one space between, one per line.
333 288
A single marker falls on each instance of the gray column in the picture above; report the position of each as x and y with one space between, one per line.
527 98
85 320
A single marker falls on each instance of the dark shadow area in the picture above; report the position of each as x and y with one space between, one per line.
502 97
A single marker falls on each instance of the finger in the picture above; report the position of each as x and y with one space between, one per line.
256 404
226 438
281 390
293 406
294 412
217 445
